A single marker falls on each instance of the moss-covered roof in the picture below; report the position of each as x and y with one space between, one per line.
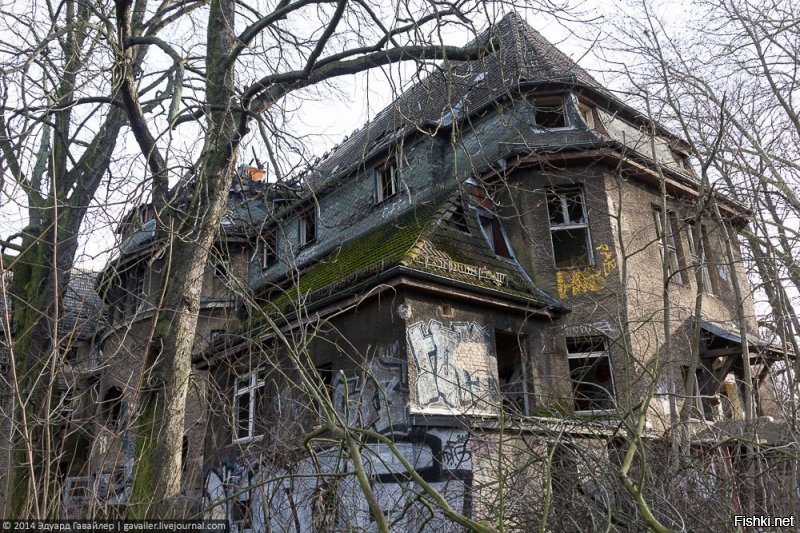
372 252
425 239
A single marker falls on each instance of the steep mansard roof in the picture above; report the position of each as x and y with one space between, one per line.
515 53
420 238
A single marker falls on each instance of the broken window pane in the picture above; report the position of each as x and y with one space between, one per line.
569 228
550 113
570 247
591 374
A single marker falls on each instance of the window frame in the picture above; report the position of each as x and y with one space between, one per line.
675 270
507 395
269 250
497 230
561 193
592 355
304 238
546 103
391 166
251 382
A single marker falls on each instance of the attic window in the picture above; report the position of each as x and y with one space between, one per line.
269 252
550 113
386 183
455 218
307 227
587 115
494 234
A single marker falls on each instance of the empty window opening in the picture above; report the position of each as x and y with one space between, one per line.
246 400
386 180
510 371
591 374
446 310
307 227
550 113
112 406
269 251
673 266
494 233
456 219
569 228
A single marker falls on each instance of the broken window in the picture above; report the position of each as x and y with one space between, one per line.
493 231
591 374
569 228
386 180
673 266
456 218
246 399
269 252
307 227
510 371
698 254
550 113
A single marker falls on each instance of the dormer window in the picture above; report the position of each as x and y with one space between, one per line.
386 182
269 252
494 233
307 227
550 113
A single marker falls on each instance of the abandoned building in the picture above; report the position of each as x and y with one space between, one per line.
474 280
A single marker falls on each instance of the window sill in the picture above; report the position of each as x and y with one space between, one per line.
248 440
386 200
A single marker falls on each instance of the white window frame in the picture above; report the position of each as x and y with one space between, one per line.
672 248
391 167
246 385
561 194
605 353
302 227
269 241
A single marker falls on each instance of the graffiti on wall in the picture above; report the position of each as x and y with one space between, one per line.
579 281
377 398
453 365
323 494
